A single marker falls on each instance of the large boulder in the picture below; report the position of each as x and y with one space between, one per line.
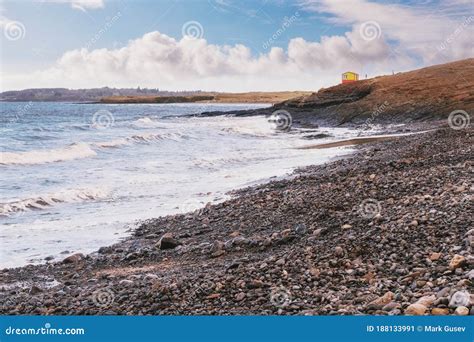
167 241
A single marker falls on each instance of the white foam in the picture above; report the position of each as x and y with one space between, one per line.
152 137
74 151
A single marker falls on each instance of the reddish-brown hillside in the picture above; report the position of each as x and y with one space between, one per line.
426 94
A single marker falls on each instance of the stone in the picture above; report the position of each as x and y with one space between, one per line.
435 256
167 241
49 258
459 298
35 290
416 309
213 296
461 311
126 282
301 229
440 311
346 226
280 262
390 306
457 261
444 292
427 300
239 296
317 232
383 300
216 246
339 251
74 258
254 284
470 275
150 276
218 253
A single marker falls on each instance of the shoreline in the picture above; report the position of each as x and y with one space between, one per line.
297 245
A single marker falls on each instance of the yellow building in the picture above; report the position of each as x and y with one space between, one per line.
349 77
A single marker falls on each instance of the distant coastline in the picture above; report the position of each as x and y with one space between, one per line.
138 95
248 97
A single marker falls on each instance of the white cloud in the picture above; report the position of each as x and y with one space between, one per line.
82 5
416 30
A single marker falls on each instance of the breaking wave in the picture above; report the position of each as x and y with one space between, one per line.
42 202
82 150
71 152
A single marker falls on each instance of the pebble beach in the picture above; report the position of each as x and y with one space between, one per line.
387 230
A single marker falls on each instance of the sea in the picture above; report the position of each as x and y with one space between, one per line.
76 176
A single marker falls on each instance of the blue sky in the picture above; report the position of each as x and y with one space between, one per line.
315 43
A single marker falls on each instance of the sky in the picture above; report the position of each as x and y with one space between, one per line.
225 45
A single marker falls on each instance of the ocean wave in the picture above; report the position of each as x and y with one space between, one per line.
144 121
147 122
141 139
82 150
71 152
44 201
152 137
113 143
